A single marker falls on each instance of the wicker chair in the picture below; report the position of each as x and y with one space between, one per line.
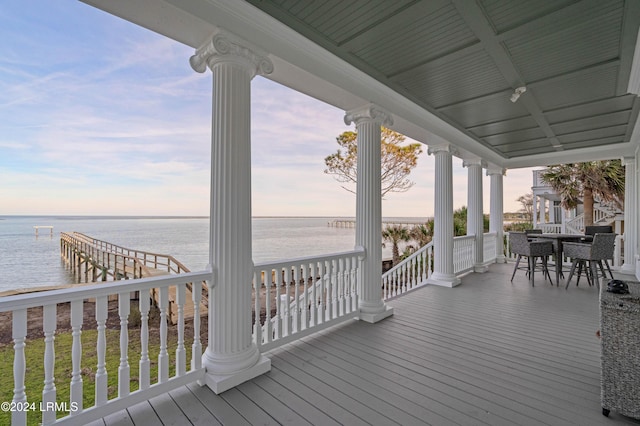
600 249
592 230
521 246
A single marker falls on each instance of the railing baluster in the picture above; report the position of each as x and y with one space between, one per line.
196 348
268 283
278 324
286 299
322 300
163 356
124 307
75 391
313 305
101 372
144 365
257 327
181 353
305 296
19 333
49 390
296 296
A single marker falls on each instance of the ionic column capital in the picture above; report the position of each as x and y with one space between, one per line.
224 48
442 149
368 113
473 162
495 170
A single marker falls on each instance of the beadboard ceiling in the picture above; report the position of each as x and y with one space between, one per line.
462 59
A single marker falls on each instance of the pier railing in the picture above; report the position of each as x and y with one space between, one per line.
296 297
98 260
115 388
160 262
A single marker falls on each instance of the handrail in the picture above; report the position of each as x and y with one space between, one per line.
185 371
296 297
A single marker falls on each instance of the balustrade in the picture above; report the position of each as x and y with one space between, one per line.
296 297
23 313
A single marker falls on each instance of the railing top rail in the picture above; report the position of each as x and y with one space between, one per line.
308 259
31 300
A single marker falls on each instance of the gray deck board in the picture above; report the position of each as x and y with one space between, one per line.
143 412
486 352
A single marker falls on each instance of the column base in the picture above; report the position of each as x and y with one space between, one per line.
501 259
223 382
628 268
443 280
481 268
374 317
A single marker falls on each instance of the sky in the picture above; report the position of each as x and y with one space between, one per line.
101 117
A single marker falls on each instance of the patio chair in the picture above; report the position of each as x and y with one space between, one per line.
594 253
521 246
592 230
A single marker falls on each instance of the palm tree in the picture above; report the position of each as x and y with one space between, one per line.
602 179
394 234
422 234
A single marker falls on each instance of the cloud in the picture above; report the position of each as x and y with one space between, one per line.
99 116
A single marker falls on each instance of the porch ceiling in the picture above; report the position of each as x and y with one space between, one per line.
462 60
447 68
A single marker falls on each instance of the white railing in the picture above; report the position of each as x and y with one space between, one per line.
550 228
414 271
463 254
296 297
411 273
108 301
489 249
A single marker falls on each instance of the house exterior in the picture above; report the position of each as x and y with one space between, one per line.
502 85
549 215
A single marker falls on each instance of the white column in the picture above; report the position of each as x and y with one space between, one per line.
630 217
496 214
475 222
534 209
443 218
231 356
368 121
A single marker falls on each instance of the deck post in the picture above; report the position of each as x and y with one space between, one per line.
368 121
443 218
231 356
630 218
475 219
496 214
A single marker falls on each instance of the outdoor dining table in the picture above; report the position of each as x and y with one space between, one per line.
557 240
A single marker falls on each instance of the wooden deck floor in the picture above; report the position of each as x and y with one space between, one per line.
486 352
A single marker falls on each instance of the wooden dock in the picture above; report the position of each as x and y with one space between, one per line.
93 260
351 223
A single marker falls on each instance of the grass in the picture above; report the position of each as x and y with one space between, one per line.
34 356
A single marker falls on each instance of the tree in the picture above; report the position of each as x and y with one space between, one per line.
395 234
526 201
576 181
397 161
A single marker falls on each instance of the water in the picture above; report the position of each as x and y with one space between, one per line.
27 261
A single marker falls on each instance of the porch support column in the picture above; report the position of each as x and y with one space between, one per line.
630 217
231 356
475 222
496 215
368 121
443 272
534 209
